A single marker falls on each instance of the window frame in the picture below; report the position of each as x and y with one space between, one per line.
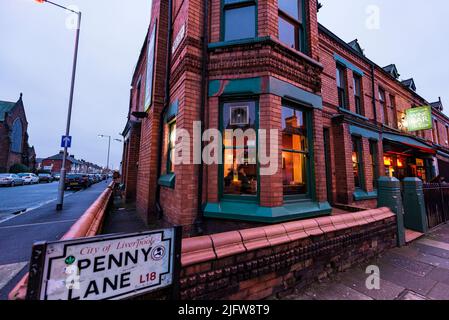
16 137
374 153
300 26
170 148
342 100
221 194
383 104
358 96
361 177
235 5
307 114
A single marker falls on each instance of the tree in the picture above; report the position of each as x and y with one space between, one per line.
18 168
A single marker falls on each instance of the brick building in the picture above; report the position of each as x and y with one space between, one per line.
266 64
14 146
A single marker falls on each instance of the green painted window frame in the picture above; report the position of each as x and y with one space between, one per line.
169 147
234 4
233 99
358 140
301 24
307 112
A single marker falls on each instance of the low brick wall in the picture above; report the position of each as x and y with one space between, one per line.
258 263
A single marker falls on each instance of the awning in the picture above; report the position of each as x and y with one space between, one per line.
408 141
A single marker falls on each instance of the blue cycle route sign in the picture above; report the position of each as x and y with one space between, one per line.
66 141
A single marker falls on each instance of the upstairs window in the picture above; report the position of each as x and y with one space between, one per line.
436 133
358 93
394 111
291 24
341 86
383 107
239 18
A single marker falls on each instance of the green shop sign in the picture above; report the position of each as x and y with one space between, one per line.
419 118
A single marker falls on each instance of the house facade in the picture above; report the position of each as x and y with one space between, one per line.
330 118
14 145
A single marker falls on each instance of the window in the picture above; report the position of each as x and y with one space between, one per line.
341 86
374 161
447 135
171 147
295 152
17 136
394 111
138 95
240 169
436 132
239 19
358 93
291 23
150 70
357 161
383 108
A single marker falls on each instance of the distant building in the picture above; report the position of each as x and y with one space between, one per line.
53 164
14 146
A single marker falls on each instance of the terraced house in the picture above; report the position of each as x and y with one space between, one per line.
268 64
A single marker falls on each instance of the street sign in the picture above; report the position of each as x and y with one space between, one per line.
66 142
105 267
417 119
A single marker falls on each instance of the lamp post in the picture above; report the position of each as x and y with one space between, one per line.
60 200
109 146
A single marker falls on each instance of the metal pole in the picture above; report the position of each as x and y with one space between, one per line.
109 150
60 201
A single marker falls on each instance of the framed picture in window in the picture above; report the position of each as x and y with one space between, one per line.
239 115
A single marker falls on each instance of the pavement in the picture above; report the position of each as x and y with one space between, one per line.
419 271
17 235
26 198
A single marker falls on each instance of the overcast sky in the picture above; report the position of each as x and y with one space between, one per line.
36 51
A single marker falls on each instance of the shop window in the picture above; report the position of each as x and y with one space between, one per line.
295 152
17 136
240 169
383 107
374 161
341 86
357 162
358 93
171 147
239 18
291 23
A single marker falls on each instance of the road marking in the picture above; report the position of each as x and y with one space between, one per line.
435 244
9 271
37 224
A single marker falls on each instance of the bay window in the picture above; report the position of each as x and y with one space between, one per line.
295 152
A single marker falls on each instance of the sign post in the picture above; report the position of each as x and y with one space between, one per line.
106 267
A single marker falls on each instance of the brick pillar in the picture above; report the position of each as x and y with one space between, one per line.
271 189
132 159
268 18
211 189
319 158
343 163
367 165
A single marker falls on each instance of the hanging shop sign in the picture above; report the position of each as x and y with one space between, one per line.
418 118
105 267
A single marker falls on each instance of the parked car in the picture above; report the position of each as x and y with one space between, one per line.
29 178
10 180
56 176
77 181
45 177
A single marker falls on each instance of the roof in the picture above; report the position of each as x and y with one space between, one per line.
392 70
59 157
354 44
5 107
437 105
409 83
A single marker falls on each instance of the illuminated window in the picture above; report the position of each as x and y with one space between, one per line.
171 147
240 176
357 161
294 152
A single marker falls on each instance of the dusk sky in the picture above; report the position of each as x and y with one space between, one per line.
37 48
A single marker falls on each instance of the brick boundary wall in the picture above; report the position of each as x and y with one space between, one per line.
271 261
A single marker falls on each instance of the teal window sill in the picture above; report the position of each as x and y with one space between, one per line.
343 110
239 210
167 180
223 44
363 195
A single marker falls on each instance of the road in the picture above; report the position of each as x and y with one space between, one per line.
18 234
13 200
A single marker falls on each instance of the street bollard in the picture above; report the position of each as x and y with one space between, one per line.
389 195
415 217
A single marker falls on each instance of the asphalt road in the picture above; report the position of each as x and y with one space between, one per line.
13 200
17 235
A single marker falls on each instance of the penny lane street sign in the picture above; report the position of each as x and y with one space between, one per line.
106 267
419 118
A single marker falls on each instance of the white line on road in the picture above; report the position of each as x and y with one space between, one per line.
37 224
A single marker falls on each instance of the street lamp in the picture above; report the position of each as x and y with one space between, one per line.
60 200
109 146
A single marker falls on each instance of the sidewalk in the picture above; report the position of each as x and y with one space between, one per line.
419 271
